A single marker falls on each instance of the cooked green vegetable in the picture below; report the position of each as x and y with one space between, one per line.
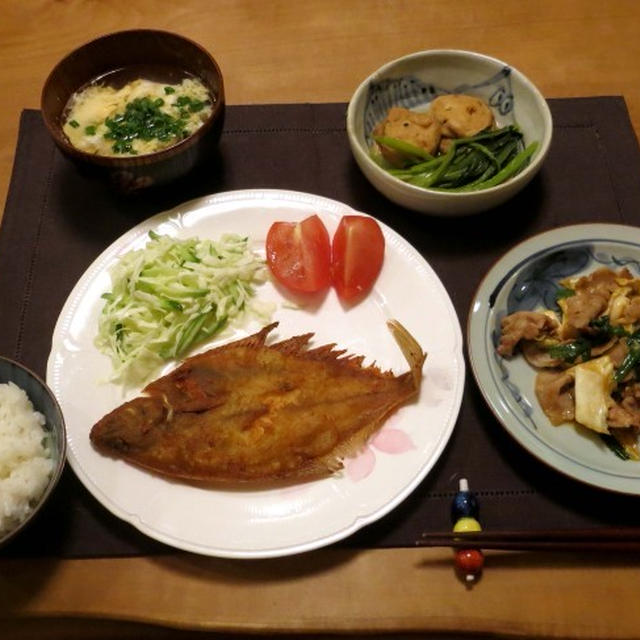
478 162
405 148
571 351
173 294
631 360
615 446
602 331
564 292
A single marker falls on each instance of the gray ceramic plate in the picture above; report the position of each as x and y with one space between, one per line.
524 279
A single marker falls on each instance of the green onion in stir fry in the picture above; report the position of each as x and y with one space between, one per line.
602 331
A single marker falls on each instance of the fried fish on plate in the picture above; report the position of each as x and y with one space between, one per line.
248 411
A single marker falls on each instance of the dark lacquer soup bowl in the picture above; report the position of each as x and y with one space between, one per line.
120 58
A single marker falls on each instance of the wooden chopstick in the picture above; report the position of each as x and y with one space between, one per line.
596 539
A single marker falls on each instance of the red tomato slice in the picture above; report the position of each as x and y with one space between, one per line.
299 254
357 255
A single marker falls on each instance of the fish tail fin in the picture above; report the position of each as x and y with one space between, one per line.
410 348
415 357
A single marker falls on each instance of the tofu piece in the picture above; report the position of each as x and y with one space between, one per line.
593 386
461 116
419 129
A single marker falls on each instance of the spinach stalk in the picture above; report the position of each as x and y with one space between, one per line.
476 162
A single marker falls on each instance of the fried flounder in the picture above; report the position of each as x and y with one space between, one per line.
248 411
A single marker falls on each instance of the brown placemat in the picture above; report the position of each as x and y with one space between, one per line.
57 221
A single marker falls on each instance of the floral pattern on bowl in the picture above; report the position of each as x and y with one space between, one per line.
536 284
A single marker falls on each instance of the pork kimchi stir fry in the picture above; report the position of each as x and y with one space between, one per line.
587 353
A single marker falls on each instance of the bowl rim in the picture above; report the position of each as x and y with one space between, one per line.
524 176
61 463
155 156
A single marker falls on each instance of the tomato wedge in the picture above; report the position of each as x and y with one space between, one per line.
357 256
299 254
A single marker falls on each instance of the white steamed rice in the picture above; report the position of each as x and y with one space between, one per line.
25 458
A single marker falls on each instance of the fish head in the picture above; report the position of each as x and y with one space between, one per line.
132 427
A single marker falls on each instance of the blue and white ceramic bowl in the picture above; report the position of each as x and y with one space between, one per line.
412 82
525 279
44 402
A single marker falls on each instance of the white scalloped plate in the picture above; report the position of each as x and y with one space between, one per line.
280 521
524 278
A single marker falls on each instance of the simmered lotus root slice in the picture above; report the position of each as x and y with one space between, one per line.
419 129
461 116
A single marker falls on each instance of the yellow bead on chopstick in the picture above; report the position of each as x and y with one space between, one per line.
466 524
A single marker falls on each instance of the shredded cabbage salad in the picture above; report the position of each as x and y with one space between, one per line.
172 295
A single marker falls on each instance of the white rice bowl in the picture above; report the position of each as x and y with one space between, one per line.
26 462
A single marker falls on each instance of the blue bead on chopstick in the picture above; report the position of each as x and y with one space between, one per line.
465 504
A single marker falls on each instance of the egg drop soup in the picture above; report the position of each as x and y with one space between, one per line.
141 117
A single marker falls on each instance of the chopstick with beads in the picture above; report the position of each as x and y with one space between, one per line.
597 539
